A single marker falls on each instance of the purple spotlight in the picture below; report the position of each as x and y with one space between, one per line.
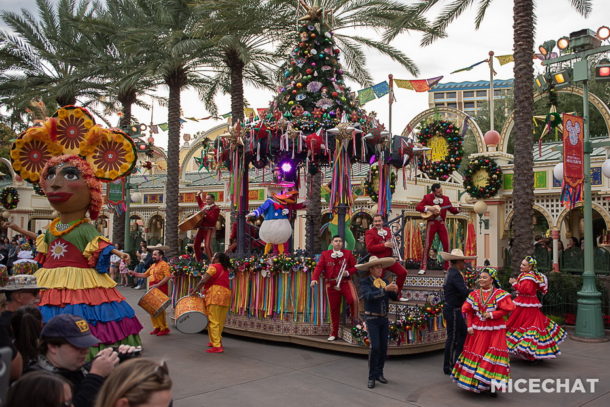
286 167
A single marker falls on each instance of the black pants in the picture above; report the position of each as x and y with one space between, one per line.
456 336
377 328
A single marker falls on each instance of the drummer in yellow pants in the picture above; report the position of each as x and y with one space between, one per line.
158 275
217 298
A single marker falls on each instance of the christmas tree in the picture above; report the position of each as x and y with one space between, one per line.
313 94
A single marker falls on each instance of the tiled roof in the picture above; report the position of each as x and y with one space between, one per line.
498 83
552 151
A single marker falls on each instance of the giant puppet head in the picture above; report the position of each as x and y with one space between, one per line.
69 155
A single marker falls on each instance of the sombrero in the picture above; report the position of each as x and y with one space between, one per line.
21 282
157 247
376 261
456 254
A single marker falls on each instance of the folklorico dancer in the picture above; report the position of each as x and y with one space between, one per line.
207 226
376 293
217 293
158 276
485 356
434 206
530 334
455 292
378 241
69 155
337 265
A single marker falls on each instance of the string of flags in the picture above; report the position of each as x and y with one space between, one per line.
364 95
383 88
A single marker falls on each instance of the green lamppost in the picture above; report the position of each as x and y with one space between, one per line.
582 45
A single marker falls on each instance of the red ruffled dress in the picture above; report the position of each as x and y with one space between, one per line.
75 274
531 334
485 355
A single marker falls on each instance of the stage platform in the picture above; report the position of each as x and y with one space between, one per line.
302 327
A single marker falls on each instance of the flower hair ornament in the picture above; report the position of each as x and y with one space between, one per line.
71 136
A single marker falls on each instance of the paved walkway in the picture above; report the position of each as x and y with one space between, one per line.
256 373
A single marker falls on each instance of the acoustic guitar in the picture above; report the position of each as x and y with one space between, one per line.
429 214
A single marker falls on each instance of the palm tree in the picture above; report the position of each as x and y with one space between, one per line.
122 71
163 32
523 37
44 57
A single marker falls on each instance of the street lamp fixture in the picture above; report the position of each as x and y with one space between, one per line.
585 44
562 78
546 48
563 43
603 33
480 207
602 70
542 82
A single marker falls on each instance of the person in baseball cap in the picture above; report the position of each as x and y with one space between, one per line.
65 343
75 330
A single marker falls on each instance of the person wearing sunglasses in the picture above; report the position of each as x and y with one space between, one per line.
137 383
40 389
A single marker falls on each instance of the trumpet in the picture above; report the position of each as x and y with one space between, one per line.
343 267
395 248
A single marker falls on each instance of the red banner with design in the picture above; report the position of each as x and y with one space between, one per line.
573 159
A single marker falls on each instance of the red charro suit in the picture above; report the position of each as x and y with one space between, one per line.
206 229
331 266
375 246
436 225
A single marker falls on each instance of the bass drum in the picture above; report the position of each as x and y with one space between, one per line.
191 315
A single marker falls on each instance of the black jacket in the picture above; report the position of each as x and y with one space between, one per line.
85 385
376 300
455 288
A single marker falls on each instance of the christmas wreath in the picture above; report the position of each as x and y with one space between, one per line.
445 143
371 183
9 198
483 178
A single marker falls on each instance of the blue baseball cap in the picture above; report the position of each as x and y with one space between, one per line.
73 329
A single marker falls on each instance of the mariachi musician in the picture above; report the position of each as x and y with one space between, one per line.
337 265
206 227
434 209
379 243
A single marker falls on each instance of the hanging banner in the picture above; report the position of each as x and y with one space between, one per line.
115 192
573 159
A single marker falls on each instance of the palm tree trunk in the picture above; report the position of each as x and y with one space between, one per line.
118 221
236 65
523 183
314 214
175 82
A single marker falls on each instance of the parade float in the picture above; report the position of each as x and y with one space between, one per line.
316 124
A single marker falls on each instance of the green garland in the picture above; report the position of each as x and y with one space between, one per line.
494 178
9 198
371 183
441 170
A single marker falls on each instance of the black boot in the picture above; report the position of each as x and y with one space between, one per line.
371 384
